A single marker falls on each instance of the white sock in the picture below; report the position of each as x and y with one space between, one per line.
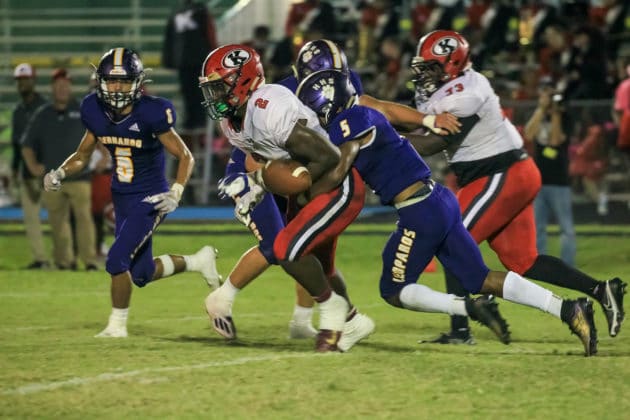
192 263
302 314
520 290
118 318
168 266
228 290
420 298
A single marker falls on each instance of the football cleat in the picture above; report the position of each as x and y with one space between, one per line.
112 332
355 330
207 257
485 310
220 312
299 330
611 299
452 337
582 323
327 340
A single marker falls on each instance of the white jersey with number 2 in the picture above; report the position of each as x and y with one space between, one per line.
272 112
468 95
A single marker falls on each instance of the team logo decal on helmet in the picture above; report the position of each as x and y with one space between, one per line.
320 54
445 46
235 59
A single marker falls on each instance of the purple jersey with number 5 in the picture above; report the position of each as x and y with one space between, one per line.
136 151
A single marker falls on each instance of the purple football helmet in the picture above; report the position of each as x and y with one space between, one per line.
327 92
317 55
119 64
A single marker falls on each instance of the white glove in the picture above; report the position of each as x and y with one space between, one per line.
52 180
168 201
245 190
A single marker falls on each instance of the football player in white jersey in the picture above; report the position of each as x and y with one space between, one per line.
269 122
497 180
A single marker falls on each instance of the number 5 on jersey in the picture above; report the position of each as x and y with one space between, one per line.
124 164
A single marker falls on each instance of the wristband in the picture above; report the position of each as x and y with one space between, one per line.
61 174
178 189
429 121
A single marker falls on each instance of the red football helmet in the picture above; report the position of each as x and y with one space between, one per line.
228 77
441 56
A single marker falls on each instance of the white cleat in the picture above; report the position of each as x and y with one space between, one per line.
207 257
355 330
220 312
112 332
301 330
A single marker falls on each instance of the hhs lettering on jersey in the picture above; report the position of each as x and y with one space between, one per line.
402 255
121 141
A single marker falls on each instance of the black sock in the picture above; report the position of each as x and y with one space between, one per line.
459 323
553 270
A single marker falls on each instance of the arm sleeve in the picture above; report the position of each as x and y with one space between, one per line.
162 116
467 124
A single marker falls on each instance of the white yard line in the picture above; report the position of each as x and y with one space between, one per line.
106 377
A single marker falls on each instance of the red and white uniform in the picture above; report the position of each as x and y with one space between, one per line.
272 112
498 181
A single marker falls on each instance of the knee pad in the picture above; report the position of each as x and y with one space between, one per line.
267 252
142 274
393 300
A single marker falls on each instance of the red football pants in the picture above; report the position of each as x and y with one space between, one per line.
499 208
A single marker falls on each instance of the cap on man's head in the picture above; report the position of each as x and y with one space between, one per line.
60 73
23 71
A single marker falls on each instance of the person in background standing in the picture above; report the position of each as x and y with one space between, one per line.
190 36
547 128
52 134
30 187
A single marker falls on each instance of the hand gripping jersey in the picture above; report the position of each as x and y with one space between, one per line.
492 136
272 112
137 153
388 163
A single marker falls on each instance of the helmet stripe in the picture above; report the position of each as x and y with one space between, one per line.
335 53
118 55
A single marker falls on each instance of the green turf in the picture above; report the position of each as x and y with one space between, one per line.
174 366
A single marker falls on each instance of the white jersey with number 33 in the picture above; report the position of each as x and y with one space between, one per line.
272 112
468 95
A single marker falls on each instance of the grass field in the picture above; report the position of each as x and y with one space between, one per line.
174 366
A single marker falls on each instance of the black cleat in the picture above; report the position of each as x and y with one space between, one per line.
582 323
611 299
452 338
485 310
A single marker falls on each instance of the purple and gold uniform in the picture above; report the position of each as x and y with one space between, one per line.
429 221
139 164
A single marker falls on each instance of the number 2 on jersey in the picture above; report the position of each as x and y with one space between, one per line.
124 164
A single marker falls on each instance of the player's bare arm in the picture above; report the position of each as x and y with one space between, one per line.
408 118
176 146
332 179
428 144
81 157
315 151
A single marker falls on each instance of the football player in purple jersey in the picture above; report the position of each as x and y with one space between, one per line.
135 128
429 221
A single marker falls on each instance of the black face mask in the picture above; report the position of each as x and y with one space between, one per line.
428 76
